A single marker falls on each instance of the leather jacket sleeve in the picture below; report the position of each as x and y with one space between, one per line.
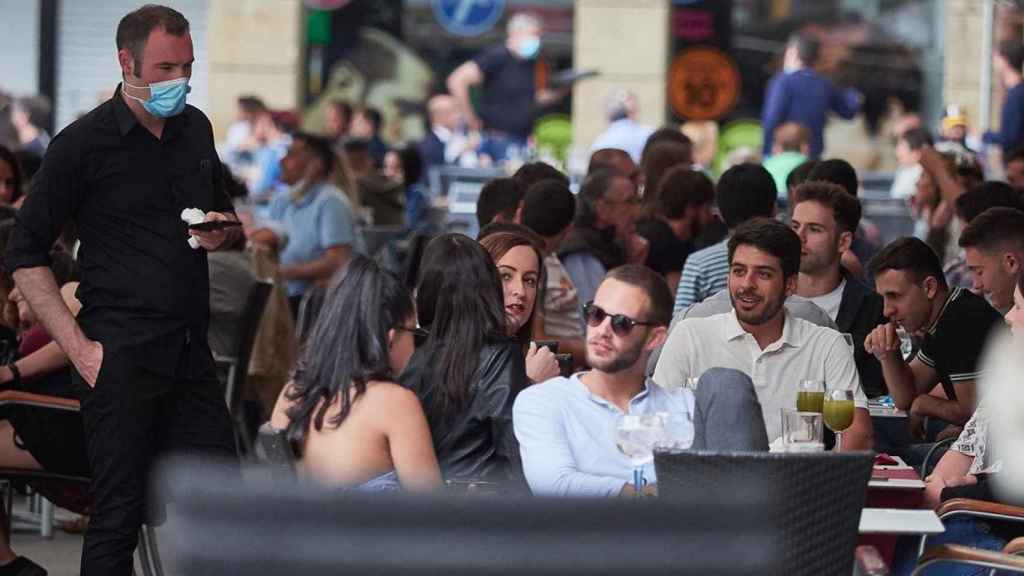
502 377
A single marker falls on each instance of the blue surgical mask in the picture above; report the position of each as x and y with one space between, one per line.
166 98
528 48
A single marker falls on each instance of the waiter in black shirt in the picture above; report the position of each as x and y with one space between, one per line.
123 173
510 97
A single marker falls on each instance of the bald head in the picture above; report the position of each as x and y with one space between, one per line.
442 111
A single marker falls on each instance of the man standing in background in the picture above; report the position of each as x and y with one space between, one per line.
798 94
510 97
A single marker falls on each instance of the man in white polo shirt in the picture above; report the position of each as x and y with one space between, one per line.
762 340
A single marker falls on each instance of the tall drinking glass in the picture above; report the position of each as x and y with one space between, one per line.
838 413
810 395
636 436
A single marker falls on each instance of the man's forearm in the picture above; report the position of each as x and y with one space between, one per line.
459 90
900 381
40 290
947 410
320 269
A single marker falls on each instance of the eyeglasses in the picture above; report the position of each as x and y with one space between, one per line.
622 325
419 335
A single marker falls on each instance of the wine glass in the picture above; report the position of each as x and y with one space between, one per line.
906 342
635 436
838 413
677 433
810 395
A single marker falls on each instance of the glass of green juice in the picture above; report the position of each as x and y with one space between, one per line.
837 411
810 396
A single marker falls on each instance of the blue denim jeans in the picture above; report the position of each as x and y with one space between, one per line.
962 531
500 146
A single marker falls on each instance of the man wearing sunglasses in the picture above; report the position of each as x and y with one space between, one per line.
566 426
761 339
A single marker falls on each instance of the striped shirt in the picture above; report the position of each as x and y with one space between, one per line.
706 272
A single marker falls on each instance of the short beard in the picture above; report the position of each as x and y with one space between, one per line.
625 360
771 309
814 266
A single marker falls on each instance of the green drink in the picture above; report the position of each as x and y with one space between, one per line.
809 401
838 414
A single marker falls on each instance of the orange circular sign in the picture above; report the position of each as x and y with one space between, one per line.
703 83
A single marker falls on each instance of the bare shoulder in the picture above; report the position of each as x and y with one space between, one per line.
394 396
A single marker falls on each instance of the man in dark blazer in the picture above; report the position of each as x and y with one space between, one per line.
825 217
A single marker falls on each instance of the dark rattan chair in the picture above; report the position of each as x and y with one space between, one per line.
820 497
273 448
236 367
70 492
264 525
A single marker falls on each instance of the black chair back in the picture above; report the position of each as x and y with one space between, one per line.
272 448
309 311
255 304
820 497
273 527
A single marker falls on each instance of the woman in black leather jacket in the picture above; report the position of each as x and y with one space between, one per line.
468 371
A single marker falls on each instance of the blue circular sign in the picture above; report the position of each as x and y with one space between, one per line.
467 17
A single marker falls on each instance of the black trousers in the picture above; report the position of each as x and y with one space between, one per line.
131 417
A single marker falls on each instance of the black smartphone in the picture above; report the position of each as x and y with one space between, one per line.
213 225
549 344
564 364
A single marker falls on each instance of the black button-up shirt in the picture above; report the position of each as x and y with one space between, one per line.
142 285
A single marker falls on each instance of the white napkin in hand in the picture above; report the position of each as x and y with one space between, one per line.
193 216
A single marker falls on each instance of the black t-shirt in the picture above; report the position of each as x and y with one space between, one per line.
509 92
954 345
667 252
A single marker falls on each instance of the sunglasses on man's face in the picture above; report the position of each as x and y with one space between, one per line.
622 325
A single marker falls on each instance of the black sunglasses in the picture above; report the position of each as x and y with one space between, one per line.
419 335
622 325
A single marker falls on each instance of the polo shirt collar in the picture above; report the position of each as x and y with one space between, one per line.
952 296
309 196
732 330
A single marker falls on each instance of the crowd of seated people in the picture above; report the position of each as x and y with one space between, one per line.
655 274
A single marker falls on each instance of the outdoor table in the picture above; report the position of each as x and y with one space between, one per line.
898 521
895 494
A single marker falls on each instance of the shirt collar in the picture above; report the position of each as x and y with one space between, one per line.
648 383
952 296
126 119
310 195
733 330
122 114
443 134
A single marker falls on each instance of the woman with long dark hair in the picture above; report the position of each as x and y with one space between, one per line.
468 371
520 267
344 416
